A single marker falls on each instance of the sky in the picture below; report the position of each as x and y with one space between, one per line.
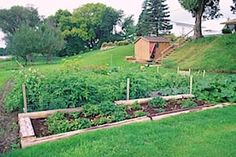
130 7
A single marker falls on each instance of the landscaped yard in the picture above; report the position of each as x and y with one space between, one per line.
208 133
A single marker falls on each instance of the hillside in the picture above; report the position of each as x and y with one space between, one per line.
215 53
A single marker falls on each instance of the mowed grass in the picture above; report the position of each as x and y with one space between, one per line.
209 133
210 53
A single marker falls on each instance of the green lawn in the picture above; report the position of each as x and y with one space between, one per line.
209 53
209 133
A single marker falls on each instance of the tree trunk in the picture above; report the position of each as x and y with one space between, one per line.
198 21
198 26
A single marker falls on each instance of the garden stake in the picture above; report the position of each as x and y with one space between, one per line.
191 84
204 73
24 98
128 88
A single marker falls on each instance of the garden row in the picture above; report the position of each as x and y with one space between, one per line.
96 115
70 89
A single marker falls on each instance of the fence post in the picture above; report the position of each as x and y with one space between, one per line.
24 98
191 84
128 89
190 72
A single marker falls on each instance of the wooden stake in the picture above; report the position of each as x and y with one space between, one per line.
191 85
189 72
178 70
24 98
204 73
158 69
128 89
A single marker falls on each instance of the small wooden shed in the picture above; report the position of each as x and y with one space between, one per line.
150 48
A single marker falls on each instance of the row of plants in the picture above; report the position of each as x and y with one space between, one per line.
68 89
107 112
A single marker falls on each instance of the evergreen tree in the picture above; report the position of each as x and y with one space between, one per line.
154 19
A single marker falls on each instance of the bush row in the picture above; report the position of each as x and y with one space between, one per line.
116 43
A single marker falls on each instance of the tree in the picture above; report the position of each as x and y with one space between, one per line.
27 40
154 19
51 40
128 27
24 42
233 7
12 19
95 23
208 9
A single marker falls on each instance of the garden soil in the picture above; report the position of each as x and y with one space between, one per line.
9 130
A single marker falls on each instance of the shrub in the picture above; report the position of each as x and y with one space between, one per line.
157 102
188 103
139 114
226 31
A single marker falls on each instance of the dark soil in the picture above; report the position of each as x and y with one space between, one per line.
41 129
9 131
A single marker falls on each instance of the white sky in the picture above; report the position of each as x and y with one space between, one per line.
49 7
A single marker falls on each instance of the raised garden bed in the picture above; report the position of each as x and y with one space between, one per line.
52 125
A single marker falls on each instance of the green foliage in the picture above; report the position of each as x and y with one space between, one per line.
157 102
226 31
57 123
216 89
80 123
26 41
134 106
12 19
188 103
119 115
91 110
154 18
101 121
139 114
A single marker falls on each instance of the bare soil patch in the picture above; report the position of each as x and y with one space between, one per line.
9 131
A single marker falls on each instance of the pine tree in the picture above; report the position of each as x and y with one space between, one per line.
154 19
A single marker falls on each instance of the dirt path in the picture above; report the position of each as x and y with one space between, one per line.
8 123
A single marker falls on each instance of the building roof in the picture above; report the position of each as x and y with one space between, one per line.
154 39
230 22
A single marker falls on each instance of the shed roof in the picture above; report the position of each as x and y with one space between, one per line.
154 39
230 22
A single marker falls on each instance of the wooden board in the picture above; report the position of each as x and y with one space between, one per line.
26 128
145 100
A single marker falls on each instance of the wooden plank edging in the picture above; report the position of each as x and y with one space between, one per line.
34 141
145 100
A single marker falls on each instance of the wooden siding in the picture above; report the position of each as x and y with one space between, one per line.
142 50
162 47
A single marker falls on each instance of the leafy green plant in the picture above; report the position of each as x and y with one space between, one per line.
119 116
91 110
57 123
134 106
139 114
188 103
101 121
80 123
157 102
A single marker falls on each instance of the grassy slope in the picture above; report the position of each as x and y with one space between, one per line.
208 133
209 53
92 58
